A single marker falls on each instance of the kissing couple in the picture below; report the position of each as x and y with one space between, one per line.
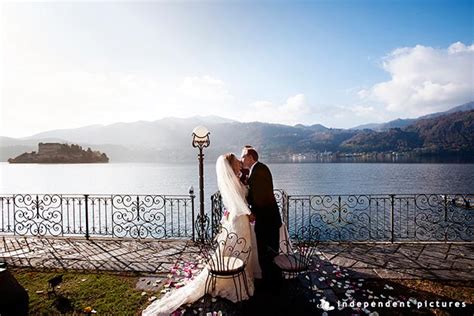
252 213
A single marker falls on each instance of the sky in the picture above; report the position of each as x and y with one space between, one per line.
336 63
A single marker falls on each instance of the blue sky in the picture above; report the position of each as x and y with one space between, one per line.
338 63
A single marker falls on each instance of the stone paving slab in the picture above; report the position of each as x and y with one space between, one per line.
94 254
404 260
368 260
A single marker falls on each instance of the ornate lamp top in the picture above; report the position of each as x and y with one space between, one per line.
201 137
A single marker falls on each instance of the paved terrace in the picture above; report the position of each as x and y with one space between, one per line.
453 261
343 271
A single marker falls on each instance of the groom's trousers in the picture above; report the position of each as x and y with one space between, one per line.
267 245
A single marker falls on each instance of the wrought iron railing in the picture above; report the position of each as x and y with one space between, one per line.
386 218
380 218
116 215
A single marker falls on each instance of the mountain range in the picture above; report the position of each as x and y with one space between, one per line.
169 139
399 123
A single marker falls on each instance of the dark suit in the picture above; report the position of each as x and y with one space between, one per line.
267 220
244 174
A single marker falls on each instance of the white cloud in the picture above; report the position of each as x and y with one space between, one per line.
364 111
65 99
425 79
201 95
295 110
205 88
73 98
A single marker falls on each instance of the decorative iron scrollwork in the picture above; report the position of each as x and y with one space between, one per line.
38 215
132 216
418 217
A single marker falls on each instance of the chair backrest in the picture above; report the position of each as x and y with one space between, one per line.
227 252
300 249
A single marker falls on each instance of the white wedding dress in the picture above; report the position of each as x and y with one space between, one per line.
233 196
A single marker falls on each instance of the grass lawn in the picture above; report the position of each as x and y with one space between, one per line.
115 294
110 294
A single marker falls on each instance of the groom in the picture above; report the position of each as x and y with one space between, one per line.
265 211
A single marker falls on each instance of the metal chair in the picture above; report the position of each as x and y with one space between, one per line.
296 254
226 258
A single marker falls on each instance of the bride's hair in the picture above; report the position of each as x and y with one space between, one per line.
230 157
232 191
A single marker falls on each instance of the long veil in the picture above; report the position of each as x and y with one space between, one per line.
233 195
232 191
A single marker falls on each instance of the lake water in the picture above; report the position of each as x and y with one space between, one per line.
295 178
362 215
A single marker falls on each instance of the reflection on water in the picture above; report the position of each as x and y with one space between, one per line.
387 158
294 178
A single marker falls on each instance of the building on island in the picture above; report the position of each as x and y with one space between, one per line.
61 153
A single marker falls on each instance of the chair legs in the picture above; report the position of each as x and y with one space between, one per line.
238 290
246 285
211 281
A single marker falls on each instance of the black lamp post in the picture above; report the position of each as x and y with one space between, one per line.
201 141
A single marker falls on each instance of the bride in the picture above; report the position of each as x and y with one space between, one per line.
235 220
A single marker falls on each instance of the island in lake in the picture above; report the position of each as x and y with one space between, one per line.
61 153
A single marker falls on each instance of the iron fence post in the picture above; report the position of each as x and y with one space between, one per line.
86 196
14 217
392 218
191 194
445 215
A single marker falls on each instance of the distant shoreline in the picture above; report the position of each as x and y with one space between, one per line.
212 161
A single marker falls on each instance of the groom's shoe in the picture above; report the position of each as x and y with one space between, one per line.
267 287
258 284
